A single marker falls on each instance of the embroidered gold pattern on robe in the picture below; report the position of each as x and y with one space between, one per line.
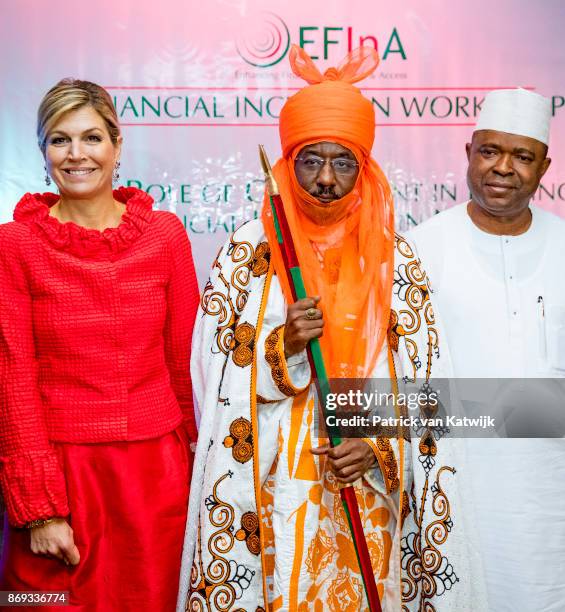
243 342
260 262
249 532
220 585
240 440
274 355
246 540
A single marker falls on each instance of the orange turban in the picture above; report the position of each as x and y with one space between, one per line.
331 105
345 249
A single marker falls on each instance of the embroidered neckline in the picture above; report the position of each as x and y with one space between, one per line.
33 209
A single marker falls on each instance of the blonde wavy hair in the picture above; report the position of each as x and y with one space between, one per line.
70 95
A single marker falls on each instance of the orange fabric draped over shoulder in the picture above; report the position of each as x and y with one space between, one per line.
346 249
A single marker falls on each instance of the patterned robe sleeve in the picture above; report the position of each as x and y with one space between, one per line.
212 319
278 377
389 450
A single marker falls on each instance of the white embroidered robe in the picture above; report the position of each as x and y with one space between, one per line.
266 528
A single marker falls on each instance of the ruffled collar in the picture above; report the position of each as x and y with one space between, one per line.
33 209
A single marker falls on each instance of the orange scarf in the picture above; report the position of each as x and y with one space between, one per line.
345 250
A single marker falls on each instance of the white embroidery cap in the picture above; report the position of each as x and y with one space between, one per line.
516 111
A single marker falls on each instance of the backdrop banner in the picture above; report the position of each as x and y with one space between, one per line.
198 86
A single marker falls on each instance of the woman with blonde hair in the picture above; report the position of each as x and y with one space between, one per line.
98 297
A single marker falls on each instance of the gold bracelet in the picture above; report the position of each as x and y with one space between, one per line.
38 523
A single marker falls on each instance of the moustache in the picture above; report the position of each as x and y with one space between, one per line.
325 192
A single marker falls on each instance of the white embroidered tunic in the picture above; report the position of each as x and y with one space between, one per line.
501 300
266 528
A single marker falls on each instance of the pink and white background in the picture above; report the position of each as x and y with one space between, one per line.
199 85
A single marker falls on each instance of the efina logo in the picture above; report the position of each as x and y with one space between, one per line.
265 41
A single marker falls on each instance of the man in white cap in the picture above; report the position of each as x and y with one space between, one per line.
496 269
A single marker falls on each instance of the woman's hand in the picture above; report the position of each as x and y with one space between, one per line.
55 539
349 460
303 322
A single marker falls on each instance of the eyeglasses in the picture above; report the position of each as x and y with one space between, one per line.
314 164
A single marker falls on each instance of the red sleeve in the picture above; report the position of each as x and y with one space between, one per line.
182 303
31 477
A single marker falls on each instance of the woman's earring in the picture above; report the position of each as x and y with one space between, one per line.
115 173
47 177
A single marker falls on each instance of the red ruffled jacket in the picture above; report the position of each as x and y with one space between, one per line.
95 334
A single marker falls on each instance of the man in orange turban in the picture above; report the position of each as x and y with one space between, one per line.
266 526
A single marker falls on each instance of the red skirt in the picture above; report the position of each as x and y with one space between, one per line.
128 504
